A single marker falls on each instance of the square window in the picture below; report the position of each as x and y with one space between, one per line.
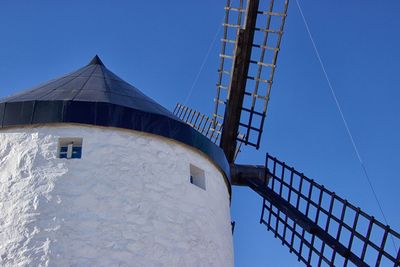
197 177
70 148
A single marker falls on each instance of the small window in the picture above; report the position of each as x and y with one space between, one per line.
70 148
197 177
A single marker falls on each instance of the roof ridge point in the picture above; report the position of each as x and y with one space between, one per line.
96 61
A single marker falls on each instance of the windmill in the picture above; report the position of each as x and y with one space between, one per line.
95 173
318 226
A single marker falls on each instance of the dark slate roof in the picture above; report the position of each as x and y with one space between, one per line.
92 83
94 95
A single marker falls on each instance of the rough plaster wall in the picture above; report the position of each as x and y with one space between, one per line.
127 202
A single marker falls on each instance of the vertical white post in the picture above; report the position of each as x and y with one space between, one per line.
69 151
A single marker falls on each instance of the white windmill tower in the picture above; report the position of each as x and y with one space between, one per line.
95 173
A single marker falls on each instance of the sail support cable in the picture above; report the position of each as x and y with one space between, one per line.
350 135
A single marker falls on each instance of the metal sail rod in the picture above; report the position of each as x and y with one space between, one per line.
238 84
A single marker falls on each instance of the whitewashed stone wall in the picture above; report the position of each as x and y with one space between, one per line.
127 202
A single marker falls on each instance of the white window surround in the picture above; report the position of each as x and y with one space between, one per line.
197 177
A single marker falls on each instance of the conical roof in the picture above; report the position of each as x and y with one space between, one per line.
93 95
92 83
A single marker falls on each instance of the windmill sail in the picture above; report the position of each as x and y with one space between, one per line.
235 12
250 45
199 122
321 228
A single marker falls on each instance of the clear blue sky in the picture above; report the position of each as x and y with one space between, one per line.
158 46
